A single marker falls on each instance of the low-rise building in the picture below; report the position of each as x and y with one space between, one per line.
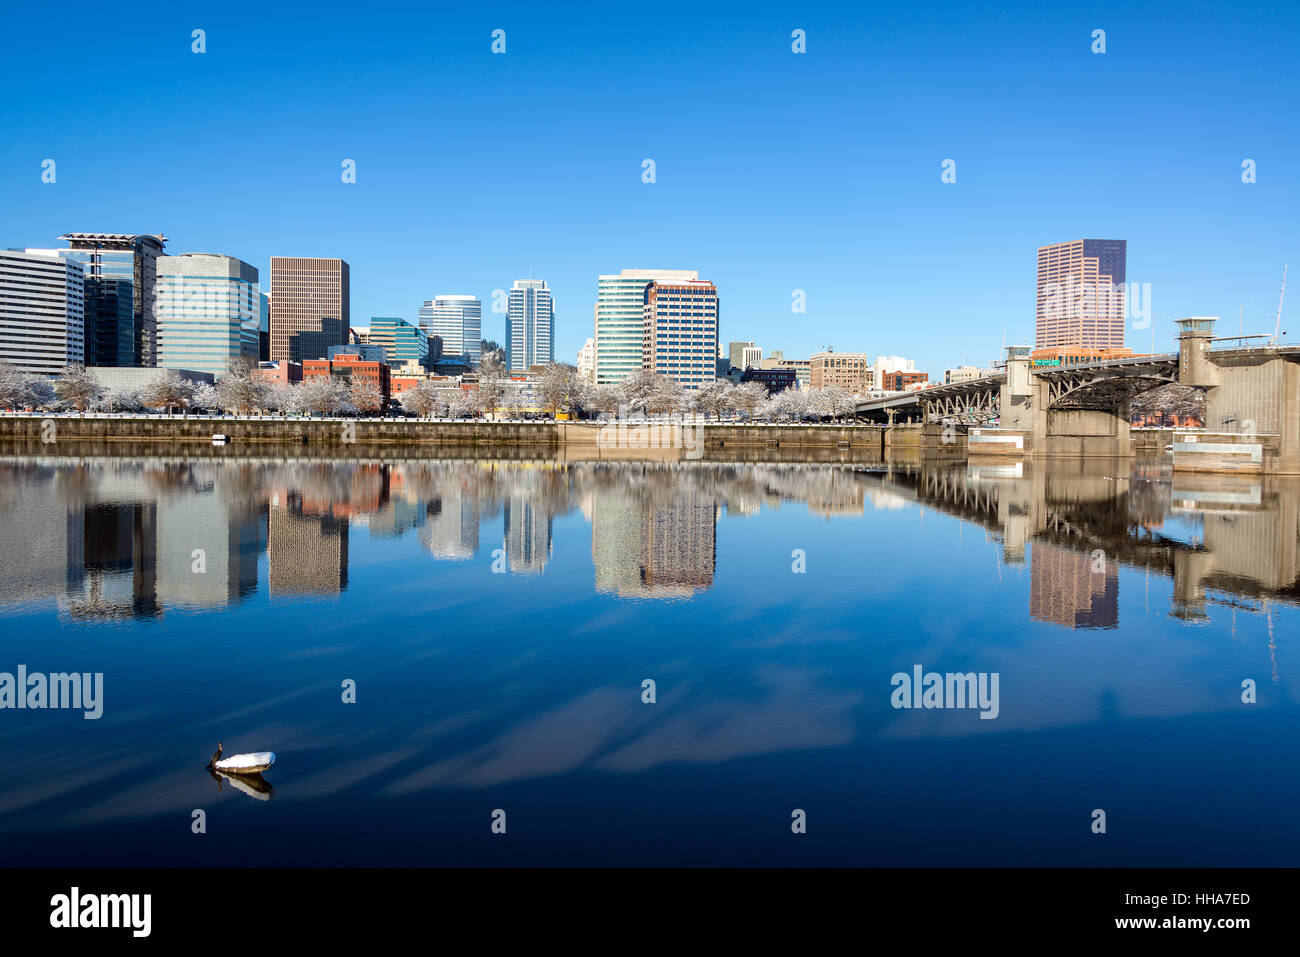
902 381
284 372
844 370
774 380
368 351
352 368
802 368
137 377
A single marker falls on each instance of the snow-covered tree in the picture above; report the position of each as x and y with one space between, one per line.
166 390
76 388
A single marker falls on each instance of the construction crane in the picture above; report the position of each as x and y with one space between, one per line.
1277 326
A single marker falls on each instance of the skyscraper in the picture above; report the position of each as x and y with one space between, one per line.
620 319
530 325
209 312
310 306
457 321
1081 294
41 311
120 277
680 336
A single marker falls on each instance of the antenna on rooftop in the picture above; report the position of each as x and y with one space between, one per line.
1277 326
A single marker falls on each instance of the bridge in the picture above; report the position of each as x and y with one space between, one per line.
1252 408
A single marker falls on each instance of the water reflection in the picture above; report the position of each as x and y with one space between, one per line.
112 538
254 785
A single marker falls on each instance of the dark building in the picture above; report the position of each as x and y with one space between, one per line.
774 380
121 274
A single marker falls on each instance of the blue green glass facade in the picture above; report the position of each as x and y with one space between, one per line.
401 341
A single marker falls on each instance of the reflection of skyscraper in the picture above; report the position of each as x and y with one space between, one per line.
644 549
224 569
396 517
305 554
46 529
450 528
1065 589
527 535
120 562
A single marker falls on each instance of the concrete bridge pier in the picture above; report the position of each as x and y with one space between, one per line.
1026 403
1101 432
1252 404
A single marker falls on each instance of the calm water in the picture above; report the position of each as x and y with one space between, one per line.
499 618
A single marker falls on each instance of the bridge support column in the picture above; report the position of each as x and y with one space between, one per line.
1088 432
1022 404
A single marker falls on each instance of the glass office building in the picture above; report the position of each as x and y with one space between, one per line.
402 342
620 319
458 322
530 325
209 312
120 278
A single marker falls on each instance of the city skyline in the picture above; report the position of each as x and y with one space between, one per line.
823 206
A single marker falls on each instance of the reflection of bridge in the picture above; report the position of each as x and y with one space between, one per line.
1248 545
1252 410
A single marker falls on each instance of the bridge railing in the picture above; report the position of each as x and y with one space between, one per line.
1239 342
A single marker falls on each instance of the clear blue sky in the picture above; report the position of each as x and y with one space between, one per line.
775 171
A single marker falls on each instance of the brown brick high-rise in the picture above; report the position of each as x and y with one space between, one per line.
309 307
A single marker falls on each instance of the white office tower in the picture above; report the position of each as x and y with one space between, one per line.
42 302
620 319
530 325
458 322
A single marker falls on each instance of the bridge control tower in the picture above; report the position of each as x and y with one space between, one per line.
1195 333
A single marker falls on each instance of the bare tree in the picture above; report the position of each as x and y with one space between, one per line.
121 400
600 398
714 398
76 388
491 382
747 397
206 396
285 397
468 402
166 390
239 389
366 396
424 399
560 387
324 394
